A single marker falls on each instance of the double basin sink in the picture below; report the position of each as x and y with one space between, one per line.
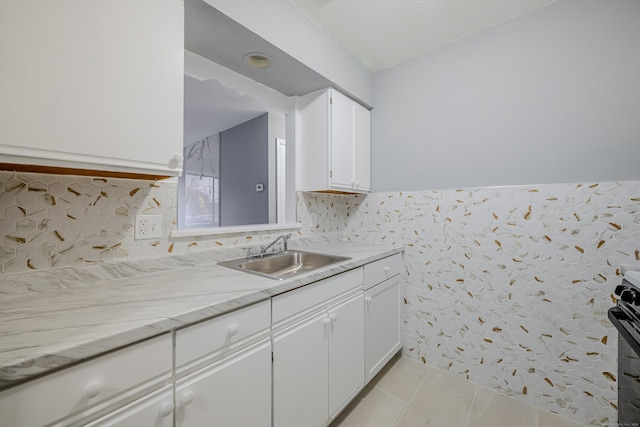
283 265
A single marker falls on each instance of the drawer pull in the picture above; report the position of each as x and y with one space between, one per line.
93 390
368 299
386 269
333 317
166 409
327 321
187 398
233 330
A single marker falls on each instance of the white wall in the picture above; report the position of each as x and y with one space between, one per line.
548 97
244 164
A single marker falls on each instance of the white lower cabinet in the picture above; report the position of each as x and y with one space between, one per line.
89 389
318 351
301 374
382 312
154 410
223 370
295 360
382 325
346 352
233 392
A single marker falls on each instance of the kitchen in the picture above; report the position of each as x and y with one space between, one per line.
503 163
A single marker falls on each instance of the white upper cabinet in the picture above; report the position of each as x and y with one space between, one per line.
94 85
334 143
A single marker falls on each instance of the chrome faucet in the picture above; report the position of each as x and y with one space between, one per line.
285 238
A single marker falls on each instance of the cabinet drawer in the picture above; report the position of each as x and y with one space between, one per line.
87 387
197 341
299 300
154 410
381 270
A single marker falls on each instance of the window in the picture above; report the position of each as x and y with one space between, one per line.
199 185
201 201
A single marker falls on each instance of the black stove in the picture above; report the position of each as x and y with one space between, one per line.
625 316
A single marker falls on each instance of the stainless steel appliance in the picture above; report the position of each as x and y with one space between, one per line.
625 316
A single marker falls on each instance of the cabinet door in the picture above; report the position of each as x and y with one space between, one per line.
235 392
362 148
382 325
155 410
92 84
300 374
342 134
346 351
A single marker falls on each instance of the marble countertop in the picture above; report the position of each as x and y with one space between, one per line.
56 318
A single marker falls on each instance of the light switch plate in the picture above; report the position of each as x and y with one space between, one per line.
148 227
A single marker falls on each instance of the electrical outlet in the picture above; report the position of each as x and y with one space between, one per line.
148 227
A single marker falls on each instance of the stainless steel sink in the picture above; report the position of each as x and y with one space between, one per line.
283 265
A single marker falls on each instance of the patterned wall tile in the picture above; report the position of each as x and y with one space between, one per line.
50 221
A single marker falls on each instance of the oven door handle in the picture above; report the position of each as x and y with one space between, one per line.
617 316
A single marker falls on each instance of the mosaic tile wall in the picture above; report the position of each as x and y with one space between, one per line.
509 287
51 221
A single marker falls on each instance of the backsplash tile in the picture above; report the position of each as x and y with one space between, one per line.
509 287
50 221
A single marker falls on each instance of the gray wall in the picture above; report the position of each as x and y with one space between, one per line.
551 96
244 163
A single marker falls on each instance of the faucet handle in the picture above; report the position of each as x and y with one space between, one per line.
249 250
285 241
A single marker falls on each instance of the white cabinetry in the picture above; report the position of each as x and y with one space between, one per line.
231 385
318 350
154 410
334 143
295 360
382 312
90 388
92 85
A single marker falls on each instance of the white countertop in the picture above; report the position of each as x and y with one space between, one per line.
56 318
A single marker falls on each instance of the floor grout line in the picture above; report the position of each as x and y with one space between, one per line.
408 403
473 401
435 375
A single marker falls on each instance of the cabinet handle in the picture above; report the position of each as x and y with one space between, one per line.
333 317
176 161
233 330
327 321
166 409
386 270
187 398
93 389
368 299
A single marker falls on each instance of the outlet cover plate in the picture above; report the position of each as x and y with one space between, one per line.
148 227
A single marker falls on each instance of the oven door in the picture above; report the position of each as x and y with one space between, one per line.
628 368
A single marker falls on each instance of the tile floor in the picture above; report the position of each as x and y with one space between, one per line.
409 394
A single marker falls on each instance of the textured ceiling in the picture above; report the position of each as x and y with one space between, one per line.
383 33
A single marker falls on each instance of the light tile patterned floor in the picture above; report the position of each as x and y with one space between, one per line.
409 394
